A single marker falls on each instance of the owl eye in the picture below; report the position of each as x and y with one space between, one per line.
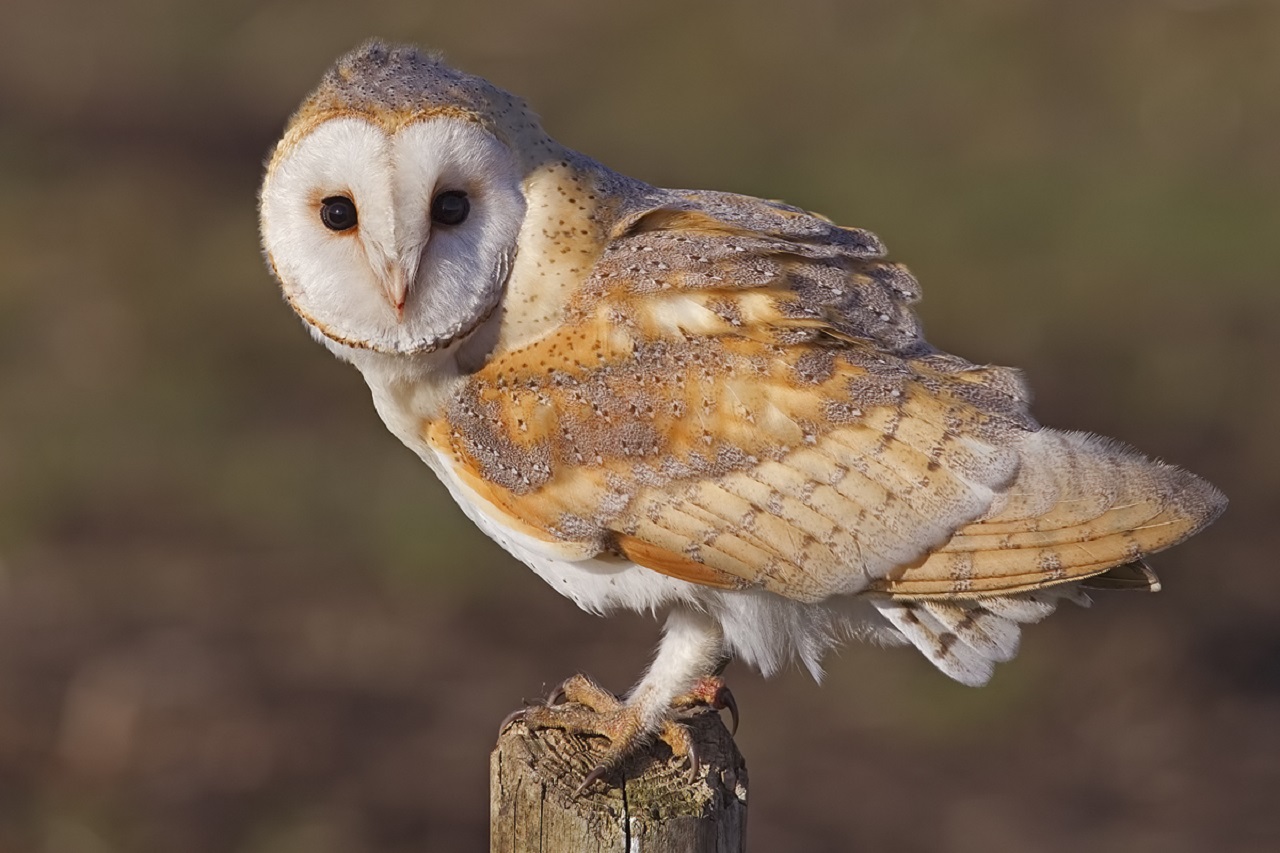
450 208
338 213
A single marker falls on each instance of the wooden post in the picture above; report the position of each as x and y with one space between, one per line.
650 805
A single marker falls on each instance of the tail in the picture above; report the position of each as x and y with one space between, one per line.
967 638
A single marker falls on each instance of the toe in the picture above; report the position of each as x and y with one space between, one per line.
678 737
711 692
584 691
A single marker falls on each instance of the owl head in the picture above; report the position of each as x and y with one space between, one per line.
391 207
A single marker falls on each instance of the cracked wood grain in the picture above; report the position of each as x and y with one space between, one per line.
649 805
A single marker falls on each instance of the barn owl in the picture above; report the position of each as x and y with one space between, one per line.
698 403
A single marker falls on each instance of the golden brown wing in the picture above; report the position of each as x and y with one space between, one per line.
728 462
1081 506
739 396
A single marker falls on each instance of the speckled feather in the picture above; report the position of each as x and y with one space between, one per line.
738 395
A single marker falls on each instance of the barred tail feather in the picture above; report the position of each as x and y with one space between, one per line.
966 638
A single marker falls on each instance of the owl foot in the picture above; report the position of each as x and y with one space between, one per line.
710 692
581 707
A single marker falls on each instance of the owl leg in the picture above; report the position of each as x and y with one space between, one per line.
682 677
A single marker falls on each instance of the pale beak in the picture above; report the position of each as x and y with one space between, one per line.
396 287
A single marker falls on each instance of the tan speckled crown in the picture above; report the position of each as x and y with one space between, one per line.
393 86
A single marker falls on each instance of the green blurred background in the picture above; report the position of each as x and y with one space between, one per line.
235 615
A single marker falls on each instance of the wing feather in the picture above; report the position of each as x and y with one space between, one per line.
1099 506
739 396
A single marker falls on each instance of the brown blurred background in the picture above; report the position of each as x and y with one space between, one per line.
235 615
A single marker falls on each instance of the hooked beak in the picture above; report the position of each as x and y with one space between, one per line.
395 285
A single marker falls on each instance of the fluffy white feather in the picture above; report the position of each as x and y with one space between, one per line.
337 281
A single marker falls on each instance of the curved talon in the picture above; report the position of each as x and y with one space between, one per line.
725 698
594 776
511 718
710 692
695 764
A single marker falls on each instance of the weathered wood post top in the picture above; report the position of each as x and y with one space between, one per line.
649 805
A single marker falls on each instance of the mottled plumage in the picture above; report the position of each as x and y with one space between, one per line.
697 401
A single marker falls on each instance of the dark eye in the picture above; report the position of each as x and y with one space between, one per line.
450 208
338 213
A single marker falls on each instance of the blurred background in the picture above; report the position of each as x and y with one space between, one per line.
236 615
